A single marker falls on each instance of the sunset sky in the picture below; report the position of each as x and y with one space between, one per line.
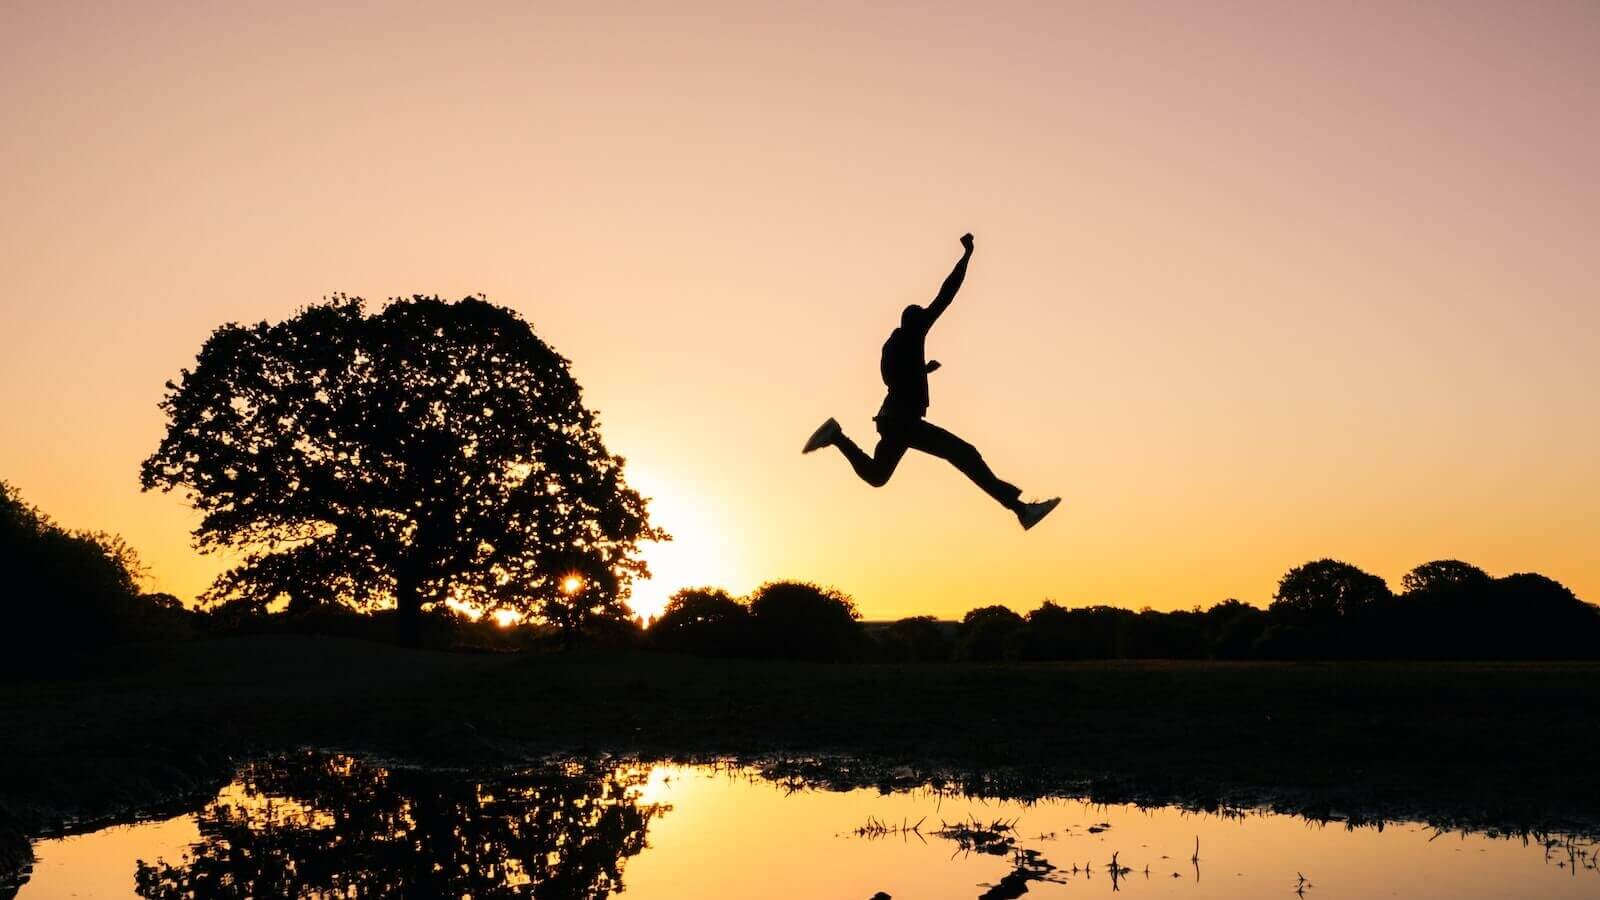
1255 283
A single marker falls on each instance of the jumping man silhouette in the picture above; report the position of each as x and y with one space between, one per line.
901 426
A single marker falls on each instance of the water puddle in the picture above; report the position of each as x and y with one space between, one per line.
333 826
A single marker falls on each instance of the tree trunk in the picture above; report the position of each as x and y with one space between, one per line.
408 606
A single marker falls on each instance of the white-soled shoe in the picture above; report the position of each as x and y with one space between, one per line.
823 436
1032 513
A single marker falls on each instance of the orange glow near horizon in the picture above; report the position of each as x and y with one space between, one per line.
1252 286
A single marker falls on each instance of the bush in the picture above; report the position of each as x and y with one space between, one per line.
1281 640
1232 629
1534 617
916 639
71 592
1334 609
1326 591
799 620
1452 610
1055 632
1156 635
611 632
1444 576
990 633
705 622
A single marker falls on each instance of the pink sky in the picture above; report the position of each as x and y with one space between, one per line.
1255 283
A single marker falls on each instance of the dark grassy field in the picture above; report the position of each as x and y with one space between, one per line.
1485 744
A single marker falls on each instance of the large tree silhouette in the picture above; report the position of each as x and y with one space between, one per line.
428 451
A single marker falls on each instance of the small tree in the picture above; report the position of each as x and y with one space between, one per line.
1444 575
430 451
1055 632
799 620
1532 616
1447 612
1326 591
1161 635
916 639
705 621
64 588
1232 627
989 632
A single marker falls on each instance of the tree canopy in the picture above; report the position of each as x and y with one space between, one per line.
800 620
1328 590
987 631
706 621
1444 575
425 452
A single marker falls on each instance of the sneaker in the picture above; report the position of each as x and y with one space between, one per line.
823 436
1031 513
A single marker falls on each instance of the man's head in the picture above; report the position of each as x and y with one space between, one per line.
913 316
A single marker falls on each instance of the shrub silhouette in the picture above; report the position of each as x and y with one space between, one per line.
1444 576
989 633
1048 634
1055 632
1445 613
1535 617
703 621
438 628
799 620
1325 592
1288 640
915 639
72 590
1157 635
428 450
1324 609
1232 629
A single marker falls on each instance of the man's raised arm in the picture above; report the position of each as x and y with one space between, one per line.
947 291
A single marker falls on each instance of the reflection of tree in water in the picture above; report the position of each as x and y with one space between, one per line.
318 826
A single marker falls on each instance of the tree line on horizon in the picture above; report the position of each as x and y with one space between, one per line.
80 590
1324 609
370 469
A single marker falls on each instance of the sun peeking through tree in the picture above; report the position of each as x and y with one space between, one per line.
428 452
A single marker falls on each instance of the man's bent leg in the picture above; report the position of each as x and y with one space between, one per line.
935 441
877 468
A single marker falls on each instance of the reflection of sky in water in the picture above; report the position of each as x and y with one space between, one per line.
726 834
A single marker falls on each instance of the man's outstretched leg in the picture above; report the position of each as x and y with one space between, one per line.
935 441
875 469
